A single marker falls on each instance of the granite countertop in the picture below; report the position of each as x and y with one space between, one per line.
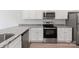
18 30
40 25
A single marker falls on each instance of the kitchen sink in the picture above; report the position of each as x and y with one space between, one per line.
5 36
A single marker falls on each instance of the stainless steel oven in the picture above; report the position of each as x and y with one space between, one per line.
50 33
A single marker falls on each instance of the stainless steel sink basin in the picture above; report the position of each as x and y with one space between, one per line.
5 36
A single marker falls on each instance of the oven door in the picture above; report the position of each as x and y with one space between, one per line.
50 33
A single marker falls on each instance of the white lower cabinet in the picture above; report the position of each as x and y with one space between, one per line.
36 35
64 34
15 43
60 34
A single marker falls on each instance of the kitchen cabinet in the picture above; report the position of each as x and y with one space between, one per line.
32 14
36 35
16 43
61 14
64 34
25 39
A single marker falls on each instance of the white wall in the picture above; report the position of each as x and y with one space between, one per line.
9 18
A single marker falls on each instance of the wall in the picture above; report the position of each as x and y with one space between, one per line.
9 18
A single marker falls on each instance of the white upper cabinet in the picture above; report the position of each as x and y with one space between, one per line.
38 14
61 14
32 14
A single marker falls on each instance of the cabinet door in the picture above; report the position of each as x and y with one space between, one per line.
38 14
32 14
61 14
36 34
15 43
27 14
60 34
64 34
40 34
32 35
68 34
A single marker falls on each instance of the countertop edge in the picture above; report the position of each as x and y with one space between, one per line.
4 43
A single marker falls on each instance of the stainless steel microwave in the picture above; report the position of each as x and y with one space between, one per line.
48 15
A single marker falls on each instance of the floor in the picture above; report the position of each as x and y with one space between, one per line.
52 45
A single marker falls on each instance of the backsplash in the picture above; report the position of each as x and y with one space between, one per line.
59 21
40 21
